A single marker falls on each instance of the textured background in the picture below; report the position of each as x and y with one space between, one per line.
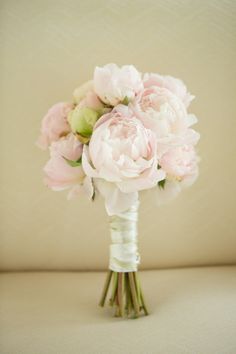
48 48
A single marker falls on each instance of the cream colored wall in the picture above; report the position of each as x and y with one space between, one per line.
50 47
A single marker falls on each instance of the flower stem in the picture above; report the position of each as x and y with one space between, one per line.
117 312
138 289
129 297
120 292
143 303
133 293
115 285
105 289
126 294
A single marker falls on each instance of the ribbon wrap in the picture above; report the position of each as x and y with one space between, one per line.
124 256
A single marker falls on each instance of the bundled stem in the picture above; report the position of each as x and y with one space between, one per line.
126 294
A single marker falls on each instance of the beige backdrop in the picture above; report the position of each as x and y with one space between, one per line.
47 49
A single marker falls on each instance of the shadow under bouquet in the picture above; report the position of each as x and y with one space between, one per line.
124 132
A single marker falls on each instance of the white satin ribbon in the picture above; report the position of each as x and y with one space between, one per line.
124 256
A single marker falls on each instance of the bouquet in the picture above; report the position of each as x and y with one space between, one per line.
124 132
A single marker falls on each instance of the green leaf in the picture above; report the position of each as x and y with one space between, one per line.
162 183
73 163
125 101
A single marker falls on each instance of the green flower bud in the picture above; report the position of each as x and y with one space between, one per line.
82 120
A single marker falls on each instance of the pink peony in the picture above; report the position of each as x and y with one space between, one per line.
123 152
165 114
162 111
60 175
113 84
189 137
54 124
176 86
179 162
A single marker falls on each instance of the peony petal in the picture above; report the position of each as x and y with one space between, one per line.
81 91
148 179
85 188
86 164
170 191
115 200
191 119
88 187
54 124
75 192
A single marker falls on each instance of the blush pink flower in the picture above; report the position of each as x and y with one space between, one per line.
181 167
179 162
161 111
176 86
60 174
189 137
122 152
54 124
113 84
165 114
